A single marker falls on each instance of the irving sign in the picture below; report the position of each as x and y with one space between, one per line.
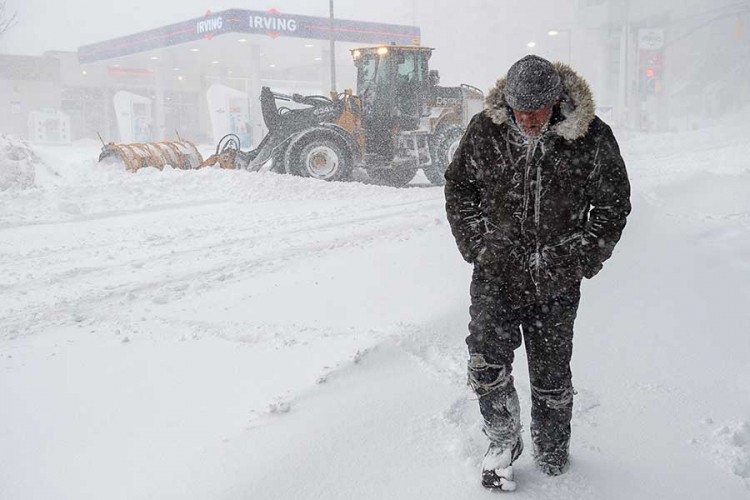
273 24
209 25
269 23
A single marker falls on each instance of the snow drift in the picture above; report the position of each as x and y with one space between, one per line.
220 334
18 164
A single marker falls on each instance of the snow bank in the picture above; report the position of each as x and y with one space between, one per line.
18 164
83 188
658 159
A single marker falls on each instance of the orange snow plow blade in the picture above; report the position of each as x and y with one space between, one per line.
179 154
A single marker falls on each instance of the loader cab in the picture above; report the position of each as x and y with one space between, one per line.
393 83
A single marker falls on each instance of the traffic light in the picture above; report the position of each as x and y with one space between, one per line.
651 76
650 83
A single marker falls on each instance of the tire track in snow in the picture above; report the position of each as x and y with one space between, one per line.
72 292
242 237
335 220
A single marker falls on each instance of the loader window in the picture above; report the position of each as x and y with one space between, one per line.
407 68
367 70
408 84
372 70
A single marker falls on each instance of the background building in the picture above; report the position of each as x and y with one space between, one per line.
667 65
200 78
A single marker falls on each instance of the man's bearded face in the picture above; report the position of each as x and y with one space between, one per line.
532 123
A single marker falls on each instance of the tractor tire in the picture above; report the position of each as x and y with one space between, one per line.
443 145
277 165
394 177
324 159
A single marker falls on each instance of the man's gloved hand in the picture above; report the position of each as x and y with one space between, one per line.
589 265
590 270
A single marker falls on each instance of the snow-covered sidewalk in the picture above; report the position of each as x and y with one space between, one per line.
222 334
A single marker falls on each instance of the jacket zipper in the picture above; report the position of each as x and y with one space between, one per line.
535 259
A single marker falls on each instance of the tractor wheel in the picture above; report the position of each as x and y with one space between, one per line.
443 146
323 159
397 177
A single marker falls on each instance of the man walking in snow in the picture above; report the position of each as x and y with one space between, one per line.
536 195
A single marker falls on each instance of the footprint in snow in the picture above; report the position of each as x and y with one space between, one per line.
731 449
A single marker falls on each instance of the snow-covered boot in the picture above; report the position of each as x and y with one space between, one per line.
497 466
551 412
552 462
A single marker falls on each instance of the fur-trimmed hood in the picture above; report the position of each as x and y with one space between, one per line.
577 105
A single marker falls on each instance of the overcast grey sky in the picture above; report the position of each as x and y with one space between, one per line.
483 35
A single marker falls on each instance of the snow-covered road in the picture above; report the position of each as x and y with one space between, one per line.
221 334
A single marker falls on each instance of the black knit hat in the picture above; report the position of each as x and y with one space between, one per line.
532 83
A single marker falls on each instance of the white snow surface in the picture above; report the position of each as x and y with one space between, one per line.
18 164
229 335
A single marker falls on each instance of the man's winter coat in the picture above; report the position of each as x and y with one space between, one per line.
536 216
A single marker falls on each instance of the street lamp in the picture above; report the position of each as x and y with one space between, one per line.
570 40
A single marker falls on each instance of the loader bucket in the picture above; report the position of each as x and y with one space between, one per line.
179 154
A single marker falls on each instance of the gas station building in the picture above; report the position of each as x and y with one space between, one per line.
199 78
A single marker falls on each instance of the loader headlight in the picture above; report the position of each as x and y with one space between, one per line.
382 51
357 54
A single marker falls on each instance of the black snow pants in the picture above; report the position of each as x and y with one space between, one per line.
495 332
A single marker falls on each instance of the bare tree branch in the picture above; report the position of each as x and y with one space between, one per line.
7 20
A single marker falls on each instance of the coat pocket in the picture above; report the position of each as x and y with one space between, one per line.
563 260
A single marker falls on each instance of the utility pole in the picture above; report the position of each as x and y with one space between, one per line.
333 48
623 99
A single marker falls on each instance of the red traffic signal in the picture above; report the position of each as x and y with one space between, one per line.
650 73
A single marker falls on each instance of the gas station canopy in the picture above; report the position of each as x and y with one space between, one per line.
210 69
271 23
